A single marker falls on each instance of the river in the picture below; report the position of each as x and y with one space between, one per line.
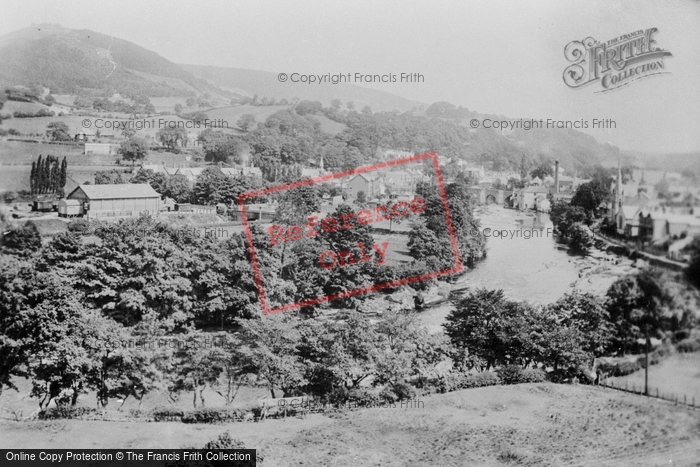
528 264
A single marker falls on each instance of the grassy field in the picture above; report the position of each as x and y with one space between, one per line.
232 114
21 153
677 375
529 424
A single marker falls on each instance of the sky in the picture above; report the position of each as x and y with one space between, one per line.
493 56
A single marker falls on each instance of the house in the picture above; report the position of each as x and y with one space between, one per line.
239 170
102 149
475 173
370 184
191 173
526 198
155 168
400 181
627 216
659 225
117 200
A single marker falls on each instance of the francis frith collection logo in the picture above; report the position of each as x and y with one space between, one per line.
615 63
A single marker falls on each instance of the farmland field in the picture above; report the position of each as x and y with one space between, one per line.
678 375
232 114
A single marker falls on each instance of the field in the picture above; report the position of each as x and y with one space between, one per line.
529 424
677 375
21 153
232 114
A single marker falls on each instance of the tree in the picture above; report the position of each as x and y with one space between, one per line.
58 131
693 270
236 368
63 176
580 237
543 170
246 122
170 136
178 188
564 216
133 149
636 301
157 180
21 241
32 179
178 109
492 328
587 197
271 345
108 177
197 367
361 198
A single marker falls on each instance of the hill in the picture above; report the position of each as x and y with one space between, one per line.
70 61
527 424
266 84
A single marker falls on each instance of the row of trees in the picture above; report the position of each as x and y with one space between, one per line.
48 176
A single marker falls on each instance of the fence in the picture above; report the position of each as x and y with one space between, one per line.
653 392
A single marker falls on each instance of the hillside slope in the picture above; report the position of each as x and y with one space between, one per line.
528 424
69 61
266 84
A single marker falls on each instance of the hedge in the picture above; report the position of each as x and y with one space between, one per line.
514 374
167 414
455 381
213 415
66 412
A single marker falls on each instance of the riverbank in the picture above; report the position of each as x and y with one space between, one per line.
536 269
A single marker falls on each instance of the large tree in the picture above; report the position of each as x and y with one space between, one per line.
133 149
58 131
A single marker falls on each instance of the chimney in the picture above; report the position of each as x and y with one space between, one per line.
556 176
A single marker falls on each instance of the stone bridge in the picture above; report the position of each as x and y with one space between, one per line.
488 196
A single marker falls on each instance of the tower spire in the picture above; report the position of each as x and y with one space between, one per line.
618 197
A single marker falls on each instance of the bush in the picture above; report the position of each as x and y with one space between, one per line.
212 415
533 375
403 391
455 381
688 345
66 412
361 397
510 374
681 335
514 374
79 226
167 414
620 368
483 379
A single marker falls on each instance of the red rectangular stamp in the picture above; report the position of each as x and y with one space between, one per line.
347 221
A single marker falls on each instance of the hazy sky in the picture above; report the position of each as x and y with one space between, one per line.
502 57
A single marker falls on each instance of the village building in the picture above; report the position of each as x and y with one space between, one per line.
526 198
370 184
101 149
240 170
122 200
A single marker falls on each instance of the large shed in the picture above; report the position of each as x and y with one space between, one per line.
117 200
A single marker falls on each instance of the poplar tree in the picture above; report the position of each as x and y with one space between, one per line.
39 184
32 179
64 174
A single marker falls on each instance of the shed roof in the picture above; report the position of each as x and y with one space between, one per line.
119 191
